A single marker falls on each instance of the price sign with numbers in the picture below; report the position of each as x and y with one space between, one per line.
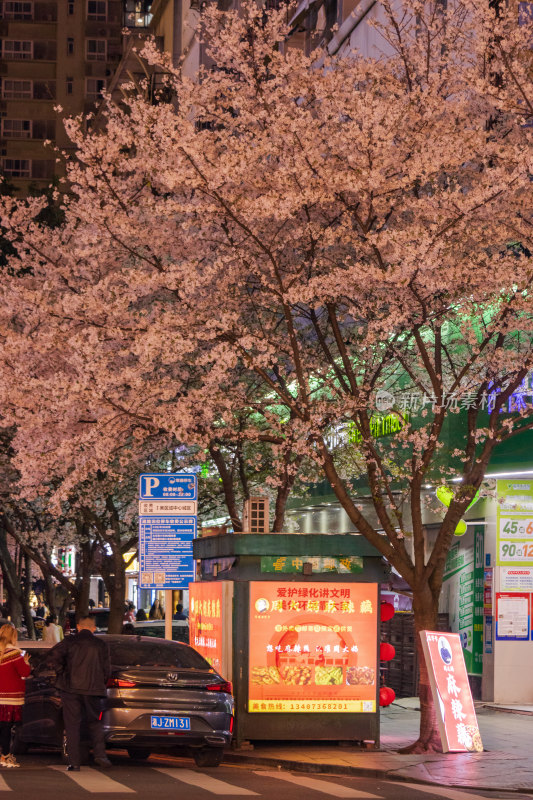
515 552
514 512
516 528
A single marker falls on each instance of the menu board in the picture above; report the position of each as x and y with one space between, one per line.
313 647
210 623
452 697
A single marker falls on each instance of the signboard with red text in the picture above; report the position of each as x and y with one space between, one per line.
313 647
210 613
452 697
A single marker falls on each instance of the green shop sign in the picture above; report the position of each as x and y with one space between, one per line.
295 564
380 425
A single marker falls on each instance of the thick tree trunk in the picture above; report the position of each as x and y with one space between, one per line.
26 591
227 485
14 609
281 504
114 575
11 581
425 607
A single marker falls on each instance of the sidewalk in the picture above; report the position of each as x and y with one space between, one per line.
505 764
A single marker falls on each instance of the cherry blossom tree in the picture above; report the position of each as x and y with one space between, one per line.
333 231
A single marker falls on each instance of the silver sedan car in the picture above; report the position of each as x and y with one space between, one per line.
161 695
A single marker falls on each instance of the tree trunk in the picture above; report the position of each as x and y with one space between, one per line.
227 485
11 581
114 575
425 607
26 591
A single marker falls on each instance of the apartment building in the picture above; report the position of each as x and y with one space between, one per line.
54 53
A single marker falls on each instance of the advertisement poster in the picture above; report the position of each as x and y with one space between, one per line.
514 523
210 613
452 697
488 582
165 552
516 579
313 647
512 616
463 587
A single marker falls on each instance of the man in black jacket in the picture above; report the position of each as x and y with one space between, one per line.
83 669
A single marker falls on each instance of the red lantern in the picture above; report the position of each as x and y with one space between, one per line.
387 611
386 651
386 696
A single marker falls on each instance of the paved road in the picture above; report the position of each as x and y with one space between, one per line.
162 778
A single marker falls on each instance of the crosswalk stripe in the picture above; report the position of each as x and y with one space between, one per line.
326 787
92 780
202 781
3 785
441 791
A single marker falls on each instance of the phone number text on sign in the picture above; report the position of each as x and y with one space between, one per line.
515 553
516 527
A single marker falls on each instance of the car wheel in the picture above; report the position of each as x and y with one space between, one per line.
208 756
139 753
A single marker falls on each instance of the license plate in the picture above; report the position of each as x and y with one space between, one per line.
171 723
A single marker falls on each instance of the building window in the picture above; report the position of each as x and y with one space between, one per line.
70 7
16 49
16 89
16 128
97 9
96 50
18 10
70 85
94 88
137 13
70 46
17 167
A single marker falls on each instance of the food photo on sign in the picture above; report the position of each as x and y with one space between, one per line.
313 647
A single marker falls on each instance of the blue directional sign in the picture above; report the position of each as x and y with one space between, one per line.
165 552
165 486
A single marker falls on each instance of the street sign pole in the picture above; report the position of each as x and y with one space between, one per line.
168 506
168 614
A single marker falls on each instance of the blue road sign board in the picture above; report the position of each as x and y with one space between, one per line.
166 486
165 552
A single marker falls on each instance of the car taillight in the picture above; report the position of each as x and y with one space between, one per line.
223 686
120 683
231 724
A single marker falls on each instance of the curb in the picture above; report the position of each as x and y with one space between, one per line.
363 772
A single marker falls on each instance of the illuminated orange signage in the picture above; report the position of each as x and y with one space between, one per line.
451 692
313 647
205 621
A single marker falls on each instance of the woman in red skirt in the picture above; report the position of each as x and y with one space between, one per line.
14 667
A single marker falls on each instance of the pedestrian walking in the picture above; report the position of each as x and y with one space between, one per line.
83 668
129 613
52 632
156 612
128 629
14 667
179 612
